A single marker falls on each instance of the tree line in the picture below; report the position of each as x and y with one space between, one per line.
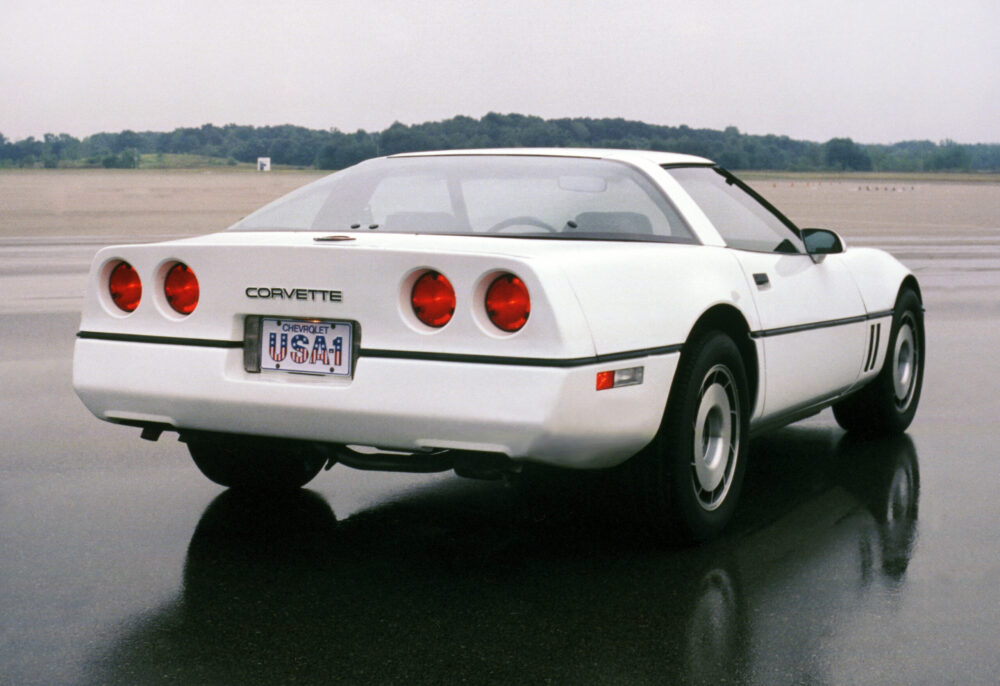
298 146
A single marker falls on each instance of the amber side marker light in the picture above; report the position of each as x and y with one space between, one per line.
433 299
619 377
181 288
125 287
508 303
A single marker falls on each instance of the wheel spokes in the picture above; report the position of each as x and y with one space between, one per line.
716 437
905 363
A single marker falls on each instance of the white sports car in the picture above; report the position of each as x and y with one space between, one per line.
477 310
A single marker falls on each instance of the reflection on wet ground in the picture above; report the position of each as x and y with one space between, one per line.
539 583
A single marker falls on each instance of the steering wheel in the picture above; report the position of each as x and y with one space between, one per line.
523 220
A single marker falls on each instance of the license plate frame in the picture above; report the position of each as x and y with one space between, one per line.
292 345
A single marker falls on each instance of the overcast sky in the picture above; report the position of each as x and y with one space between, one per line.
875 71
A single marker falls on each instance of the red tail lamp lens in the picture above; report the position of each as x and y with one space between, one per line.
181 288
433 299
508 303
125 286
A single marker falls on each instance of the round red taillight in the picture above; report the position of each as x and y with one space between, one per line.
433 299
508 303
125 286
181 288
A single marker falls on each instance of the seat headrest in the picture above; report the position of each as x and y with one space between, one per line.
421 221
614 222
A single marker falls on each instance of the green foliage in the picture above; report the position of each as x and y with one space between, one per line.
950 156
843 154
126 159
334 149
161 160
344 151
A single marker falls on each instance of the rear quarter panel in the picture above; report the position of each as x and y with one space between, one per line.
646 295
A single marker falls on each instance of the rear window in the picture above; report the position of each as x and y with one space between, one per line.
502 195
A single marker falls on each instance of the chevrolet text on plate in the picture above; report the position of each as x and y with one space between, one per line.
480 310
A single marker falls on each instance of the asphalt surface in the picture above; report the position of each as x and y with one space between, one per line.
848 563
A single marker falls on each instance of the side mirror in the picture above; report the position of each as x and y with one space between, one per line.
822 242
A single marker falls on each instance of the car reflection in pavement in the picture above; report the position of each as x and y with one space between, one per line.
494 586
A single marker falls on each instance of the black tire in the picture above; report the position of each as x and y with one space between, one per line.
691 474
254 463
887 405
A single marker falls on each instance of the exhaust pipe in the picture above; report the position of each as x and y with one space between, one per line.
466 463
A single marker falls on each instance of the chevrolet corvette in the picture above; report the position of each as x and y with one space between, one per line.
477 311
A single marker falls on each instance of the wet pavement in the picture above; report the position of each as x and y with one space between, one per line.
848 563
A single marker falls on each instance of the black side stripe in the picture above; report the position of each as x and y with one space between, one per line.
165 340
407 354
781 331
520 361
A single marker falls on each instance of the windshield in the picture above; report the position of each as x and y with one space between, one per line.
504 195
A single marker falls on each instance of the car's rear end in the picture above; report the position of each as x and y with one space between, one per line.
316 337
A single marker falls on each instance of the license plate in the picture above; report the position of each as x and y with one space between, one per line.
309 346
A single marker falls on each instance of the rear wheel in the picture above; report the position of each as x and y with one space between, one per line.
254 463
887 404
692 473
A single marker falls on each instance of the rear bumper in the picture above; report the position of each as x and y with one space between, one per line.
551 415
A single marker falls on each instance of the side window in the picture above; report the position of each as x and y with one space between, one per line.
740 219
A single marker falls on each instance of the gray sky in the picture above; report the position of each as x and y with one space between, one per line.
875 71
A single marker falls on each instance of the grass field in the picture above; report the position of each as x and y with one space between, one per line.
144 203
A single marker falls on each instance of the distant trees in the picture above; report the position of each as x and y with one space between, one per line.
950 156
335 149
126 159
845 155
343 150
